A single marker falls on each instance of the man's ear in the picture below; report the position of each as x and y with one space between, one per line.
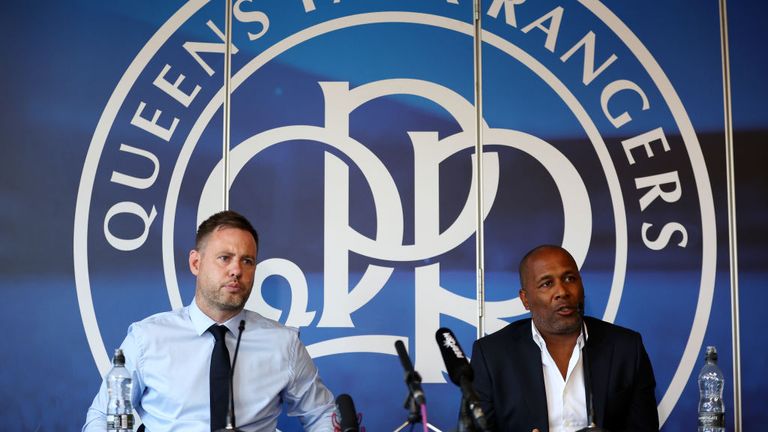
523 298
194 261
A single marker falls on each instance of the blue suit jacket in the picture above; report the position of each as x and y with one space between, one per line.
510 382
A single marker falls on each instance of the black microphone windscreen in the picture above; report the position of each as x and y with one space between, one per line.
456 362
347 413
405 360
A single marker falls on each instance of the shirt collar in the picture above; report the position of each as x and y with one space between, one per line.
201 322
539 339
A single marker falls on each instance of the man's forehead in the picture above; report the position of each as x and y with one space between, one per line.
549 259
222 237
547 252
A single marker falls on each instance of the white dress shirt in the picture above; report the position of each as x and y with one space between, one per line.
169 356
566 400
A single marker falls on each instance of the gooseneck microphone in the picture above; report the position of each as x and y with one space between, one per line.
416 402
412 378
231 412
461 374
347 414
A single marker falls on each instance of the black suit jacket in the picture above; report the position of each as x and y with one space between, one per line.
510 382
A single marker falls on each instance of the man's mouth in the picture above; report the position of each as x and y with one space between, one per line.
566 310
232 286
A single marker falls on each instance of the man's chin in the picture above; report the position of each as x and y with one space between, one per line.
567 325
558 326
572 326
233 303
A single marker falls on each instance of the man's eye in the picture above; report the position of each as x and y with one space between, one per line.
248 261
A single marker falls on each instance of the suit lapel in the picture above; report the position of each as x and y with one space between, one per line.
532 380
599 357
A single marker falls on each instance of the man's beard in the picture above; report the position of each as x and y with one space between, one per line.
558 325
231 301
225 301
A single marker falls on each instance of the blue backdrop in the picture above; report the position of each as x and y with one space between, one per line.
352 150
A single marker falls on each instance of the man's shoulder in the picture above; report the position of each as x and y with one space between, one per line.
163 319
598 326
155 329
521 330
511 332
621 338
256 320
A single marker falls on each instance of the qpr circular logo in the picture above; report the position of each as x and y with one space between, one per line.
353 152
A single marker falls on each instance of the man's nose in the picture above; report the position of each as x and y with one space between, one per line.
235 269
560 290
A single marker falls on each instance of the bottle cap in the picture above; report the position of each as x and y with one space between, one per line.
119 358
711 353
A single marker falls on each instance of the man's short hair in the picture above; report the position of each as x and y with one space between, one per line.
523 267
224 219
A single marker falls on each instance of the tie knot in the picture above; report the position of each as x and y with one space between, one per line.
219 331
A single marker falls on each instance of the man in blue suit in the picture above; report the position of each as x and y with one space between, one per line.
530 375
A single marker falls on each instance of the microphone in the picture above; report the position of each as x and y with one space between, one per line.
592 427
412 378
231 413
347 414
461 374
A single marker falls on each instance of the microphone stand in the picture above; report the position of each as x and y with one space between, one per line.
470 407
231 413
466 424
415 399
588 383
414 416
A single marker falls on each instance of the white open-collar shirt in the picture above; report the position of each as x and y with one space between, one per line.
566 400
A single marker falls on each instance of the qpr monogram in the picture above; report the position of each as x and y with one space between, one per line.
147 151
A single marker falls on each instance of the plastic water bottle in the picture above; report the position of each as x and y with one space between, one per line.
711 407
119 387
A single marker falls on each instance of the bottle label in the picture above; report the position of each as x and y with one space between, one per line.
116 422
712 419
